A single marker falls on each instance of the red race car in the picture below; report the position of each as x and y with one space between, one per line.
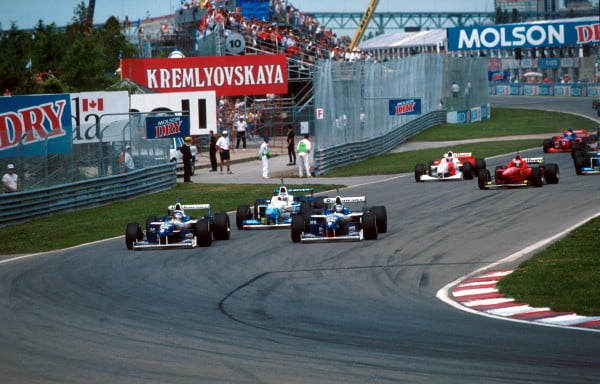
570 140
519 173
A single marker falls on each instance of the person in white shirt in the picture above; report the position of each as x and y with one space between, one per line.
223 145
240 129
264 155
10 180
128 159
303 151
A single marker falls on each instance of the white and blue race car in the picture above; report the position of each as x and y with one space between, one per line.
277 211
178 230
338 222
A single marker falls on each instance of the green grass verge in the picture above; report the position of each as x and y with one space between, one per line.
509 122
401 162
565 276
83 226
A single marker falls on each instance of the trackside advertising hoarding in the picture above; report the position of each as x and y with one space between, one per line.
164 127
226 75
510 36
35 124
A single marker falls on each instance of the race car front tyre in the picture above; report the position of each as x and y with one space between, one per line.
297 228
552 173
479 165
306 211
419 171
203 234
369 226
242 213
133 233
380 218
483 178
221 227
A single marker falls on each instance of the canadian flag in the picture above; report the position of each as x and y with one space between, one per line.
93 104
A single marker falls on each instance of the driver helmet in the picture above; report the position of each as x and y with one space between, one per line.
283 193
449 154
517 161
339 208
178 216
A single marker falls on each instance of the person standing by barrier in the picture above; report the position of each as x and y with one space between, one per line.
212 151
10 180
186 153
291 145
128 159
265 155
223 146
303 149
240 130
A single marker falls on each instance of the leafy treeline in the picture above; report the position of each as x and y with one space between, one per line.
49 59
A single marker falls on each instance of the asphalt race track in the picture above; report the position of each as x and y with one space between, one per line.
260 309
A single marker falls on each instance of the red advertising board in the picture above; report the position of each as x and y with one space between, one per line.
226 75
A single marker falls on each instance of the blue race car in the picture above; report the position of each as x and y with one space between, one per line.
178 230
278 210
587 162
338 222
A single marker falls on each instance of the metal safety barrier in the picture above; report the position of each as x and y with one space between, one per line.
30 204
333 157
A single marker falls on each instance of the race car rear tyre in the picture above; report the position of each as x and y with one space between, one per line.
547 145
319 203
149 221
483 178
552 173
369 226
479 165
429 167
579 163
467 171
419 171
257 204
305 211
536 177
242 213
297 228
221 227
380 218
133 233
203 234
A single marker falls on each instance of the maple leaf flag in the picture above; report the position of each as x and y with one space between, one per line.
93 104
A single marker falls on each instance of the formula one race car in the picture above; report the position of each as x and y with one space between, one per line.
452 166
178 230
339 223
518 173
567 142
277 211
587 161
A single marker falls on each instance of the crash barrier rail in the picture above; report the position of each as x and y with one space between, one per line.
24 206
333 157
545 89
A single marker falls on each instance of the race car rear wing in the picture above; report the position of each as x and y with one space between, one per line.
188 206
534 160
296 190
358 199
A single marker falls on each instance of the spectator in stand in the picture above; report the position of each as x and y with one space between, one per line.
10 180
128 159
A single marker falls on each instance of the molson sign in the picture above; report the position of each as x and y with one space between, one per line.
533 35
226 75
